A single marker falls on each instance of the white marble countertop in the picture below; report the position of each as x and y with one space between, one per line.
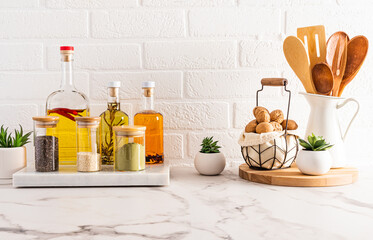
192 207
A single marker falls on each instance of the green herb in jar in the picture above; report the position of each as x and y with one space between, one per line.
130 157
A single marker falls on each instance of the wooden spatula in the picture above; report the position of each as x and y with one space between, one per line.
314 39
297 57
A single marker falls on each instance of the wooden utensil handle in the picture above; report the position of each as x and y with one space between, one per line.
274 82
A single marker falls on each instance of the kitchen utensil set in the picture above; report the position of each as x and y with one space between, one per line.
325 67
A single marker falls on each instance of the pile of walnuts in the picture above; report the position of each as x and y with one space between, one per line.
268 122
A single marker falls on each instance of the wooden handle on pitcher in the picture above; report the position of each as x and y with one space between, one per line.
274 82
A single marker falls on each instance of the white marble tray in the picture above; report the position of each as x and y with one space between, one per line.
67 176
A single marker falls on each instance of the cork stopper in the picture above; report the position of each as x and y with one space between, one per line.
113 92
148 88
67 53
148 92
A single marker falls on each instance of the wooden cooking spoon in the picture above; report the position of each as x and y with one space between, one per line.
314 39
323 78
357 49
336 57
297 57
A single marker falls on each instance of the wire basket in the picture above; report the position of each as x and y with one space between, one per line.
278 153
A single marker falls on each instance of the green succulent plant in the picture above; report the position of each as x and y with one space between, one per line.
315 143
19 139
209 145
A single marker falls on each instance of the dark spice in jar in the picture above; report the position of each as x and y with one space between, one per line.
46 154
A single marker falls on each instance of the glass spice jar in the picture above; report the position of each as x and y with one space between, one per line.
129 148
46 143
88 144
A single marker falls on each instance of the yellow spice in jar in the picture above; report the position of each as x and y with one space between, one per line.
130 157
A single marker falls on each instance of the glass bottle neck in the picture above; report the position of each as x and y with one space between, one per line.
67 82
113 100
148 103
113 106
148 94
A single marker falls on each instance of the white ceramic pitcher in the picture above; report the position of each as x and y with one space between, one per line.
323 121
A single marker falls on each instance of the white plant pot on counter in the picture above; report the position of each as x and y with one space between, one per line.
11 161
314 162
209 163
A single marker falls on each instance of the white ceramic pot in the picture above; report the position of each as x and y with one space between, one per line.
209 163
314 162
11 161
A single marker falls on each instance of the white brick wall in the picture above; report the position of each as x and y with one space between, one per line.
37 85
138 23
169 84
90 4
21 56
99 57
19 4
43 24
234 22
190 55
206 57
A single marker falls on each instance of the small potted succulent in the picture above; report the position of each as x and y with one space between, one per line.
209 160
314 159
12 151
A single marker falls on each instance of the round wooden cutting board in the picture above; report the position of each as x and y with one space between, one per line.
294 178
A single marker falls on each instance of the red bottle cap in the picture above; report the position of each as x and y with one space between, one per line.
66 48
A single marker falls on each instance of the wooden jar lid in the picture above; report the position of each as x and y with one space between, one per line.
46 121
46 118
88 121
134 130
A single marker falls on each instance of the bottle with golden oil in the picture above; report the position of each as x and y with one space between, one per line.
112 117
67 103
153 121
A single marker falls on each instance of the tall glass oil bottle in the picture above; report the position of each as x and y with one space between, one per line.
67 103
154 125
113 116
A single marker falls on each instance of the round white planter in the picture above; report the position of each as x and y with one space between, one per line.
209 163
11 160
314 162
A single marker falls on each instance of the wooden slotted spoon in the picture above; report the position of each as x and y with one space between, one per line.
297 57
357 49
336 57
314 39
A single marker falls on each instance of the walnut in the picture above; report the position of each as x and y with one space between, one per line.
292 125
276 126
277 116
262 116
257 109
264 127
251 126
